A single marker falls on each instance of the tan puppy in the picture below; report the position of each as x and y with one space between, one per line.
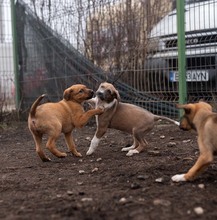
63 116
199 117
122 116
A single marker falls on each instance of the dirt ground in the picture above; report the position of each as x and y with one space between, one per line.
106 185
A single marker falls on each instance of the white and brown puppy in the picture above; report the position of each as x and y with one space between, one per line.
61 117
122 116
199 117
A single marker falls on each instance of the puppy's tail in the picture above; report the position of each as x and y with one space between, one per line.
35 105
157 117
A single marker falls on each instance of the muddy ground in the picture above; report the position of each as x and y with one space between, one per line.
106 185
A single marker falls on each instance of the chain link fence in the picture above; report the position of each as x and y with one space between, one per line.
130 43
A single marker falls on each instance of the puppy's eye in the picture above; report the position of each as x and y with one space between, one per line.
81 91
71 91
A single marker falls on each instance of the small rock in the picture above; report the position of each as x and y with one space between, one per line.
201 186
171 144
141 200
80 183
88 138
162 137
135 186
154 152
162 202
81 160
142 177
81 171
98 159
22 207
69 192
187 158
145 189
95 169
87 199
199 210
123 200
186 141
59 195
159 180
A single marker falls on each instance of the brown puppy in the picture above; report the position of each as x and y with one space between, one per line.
63 116
122 116
199 117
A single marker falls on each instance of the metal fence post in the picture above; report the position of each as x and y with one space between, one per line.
181 51
15 56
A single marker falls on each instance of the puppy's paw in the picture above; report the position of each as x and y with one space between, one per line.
46 159
89 152
101 109
62 155
91 106
179 178
128 147
131 152
125 149
98 111
77 154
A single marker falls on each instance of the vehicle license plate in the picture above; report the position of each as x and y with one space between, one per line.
191 76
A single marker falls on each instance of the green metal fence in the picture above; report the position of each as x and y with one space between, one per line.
134 44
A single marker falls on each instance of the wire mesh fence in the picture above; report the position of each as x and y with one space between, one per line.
201 46
131 43
7 86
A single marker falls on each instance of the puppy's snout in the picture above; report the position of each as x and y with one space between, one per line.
100 94
183 127
91 92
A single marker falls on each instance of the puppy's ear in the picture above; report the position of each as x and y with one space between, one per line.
186 108
117 95
67 94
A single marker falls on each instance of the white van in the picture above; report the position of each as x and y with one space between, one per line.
201 47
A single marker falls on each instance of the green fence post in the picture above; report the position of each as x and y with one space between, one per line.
15 57
181 51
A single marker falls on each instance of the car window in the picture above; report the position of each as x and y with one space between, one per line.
195 1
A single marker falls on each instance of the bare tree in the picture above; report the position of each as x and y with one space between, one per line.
117 34
113 34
